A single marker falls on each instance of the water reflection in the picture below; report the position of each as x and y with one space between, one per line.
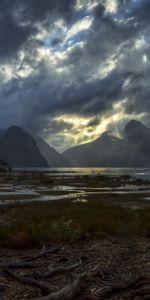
75 190
143 173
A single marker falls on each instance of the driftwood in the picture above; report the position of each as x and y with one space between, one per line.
3 286
45 290
143 291
27 262
18 265
69 292
58 270
137 288
117 288
43 253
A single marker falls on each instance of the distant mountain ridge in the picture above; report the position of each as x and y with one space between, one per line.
54 158
23 150
19 149
133 150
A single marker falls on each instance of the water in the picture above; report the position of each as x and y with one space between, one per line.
75 189
143 173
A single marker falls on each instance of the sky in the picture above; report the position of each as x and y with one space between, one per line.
71 69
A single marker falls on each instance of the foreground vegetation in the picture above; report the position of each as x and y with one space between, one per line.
92 215
97 234
59 221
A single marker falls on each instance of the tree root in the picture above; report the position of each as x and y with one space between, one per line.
3 286
144 291
117 288
58 270
45 290
69 292
18 265
27 262
43 253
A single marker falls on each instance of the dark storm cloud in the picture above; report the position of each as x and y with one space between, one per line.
12 36
86 79
18 19
37 10
138 91
141 12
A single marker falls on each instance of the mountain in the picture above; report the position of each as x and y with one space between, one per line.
54 159
137 139
18 148
102 152
134 129
133 150
1 133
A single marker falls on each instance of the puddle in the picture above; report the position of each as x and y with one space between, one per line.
45 198
80 200
20 193
130 187
76 192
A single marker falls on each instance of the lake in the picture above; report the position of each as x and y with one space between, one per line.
78 184
143 173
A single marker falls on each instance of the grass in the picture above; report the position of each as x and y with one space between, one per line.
18 196
26 178
59 221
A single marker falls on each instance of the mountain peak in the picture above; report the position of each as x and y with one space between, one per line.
134 125
106 136
15 128
135 131
20 149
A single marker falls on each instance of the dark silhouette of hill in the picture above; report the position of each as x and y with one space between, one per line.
19 149
137 144
54 158
132 150
22 149
95 153
1 133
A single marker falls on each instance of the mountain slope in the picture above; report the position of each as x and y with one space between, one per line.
54 159
1 133
19 149
137 139
101 152
133 150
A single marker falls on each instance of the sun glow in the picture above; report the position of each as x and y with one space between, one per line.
83 24
111 6
83 132
82 129
107 67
